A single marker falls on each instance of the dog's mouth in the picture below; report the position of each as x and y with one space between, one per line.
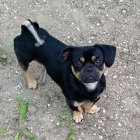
85 77
89 79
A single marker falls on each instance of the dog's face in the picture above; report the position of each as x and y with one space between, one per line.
88 63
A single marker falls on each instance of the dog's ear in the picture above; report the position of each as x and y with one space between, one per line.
109 53
66 53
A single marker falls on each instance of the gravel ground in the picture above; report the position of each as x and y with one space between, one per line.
75 22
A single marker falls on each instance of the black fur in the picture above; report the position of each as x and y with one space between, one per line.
58 58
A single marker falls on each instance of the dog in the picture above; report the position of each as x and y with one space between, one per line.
79 71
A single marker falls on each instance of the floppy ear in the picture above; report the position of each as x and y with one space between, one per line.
66 53
109 54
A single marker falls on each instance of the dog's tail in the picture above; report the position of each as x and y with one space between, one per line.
32 27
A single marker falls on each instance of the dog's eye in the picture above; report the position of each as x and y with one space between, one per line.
78 63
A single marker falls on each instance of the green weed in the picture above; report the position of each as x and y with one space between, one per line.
3 131
66 120
10 43
3 58
28 134
22 108
71 134
17 136
23 104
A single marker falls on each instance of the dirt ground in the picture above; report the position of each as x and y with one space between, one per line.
75 22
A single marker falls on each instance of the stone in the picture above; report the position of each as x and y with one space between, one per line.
32 109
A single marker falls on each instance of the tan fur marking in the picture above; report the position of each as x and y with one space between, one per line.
76 74
87 106
102 72
78 115
30 81
90 108
93 58
82 59
104 67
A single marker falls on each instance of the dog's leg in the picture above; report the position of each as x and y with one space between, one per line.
90 108
32 84
78 115
77 111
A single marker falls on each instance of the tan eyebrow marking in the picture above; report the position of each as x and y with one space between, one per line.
93 58
82 59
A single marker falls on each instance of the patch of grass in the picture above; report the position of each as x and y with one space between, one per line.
66 120
23 104
22 108
3 58
71 135
10 43
25 131
17 136
3 131
28 134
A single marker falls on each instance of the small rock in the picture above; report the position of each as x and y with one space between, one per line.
58 123
119 124
32 109
115 76
100 137
124 11
78 28
89 41
98 24
104 111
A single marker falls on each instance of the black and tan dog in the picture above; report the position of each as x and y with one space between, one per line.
79 71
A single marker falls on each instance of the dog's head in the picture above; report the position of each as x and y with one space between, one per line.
88 63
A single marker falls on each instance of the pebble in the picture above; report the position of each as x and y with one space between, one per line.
115 76
89 41
44 0
100 137
57 123
104 111
119 124
124 11
32 109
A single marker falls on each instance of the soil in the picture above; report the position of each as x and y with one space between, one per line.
75 22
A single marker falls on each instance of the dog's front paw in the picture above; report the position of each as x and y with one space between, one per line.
92 110
32 84
77 116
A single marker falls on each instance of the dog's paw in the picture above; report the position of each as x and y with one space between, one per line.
92 110
77 116
32 84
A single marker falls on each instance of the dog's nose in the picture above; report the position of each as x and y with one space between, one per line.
90 69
